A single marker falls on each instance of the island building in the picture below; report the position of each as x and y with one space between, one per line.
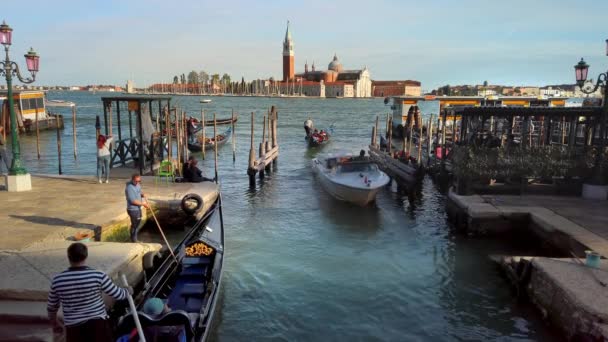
333 82
396 88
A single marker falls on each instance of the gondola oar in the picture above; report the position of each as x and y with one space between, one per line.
140 331
161 232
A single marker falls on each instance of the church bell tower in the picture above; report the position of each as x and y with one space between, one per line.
288 56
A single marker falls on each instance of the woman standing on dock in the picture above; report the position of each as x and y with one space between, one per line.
103 156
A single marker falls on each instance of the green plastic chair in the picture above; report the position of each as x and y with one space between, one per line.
165 171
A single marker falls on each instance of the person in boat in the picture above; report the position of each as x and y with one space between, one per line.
308 126
84 312
104 144
135 200
192 173
361 156
3 150
156 308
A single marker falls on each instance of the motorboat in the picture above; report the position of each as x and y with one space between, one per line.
349 178
205 100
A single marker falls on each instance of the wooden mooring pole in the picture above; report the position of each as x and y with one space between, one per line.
38 135
251 166
59 149
233 140
203 135
73 132
215 145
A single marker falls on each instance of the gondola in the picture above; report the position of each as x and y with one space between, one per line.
320 138
219 122
209 142
189 285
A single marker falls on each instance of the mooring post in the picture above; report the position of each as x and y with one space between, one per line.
215 146
275 130
262 148
267 144
420 144
250 170
73 131
38 135
409 145
59 148
233 139
429 134
375 136
203 135
373 142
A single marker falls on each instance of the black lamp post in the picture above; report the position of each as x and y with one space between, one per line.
581 69
10 69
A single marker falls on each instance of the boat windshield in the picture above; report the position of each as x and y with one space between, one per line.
357 167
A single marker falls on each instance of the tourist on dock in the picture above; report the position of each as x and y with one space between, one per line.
103 157
3 150
78 290
135 200
192 173
308 127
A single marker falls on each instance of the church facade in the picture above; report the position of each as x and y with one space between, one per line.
333 82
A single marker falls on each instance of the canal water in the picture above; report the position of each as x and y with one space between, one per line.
302 266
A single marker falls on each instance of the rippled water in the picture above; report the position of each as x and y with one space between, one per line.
302 266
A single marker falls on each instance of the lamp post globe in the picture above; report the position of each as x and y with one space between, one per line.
6 33
581 69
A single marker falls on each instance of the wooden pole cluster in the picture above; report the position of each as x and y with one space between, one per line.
268 148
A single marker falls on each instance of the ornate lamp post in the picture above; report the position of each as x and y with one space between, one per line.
581 70
10 69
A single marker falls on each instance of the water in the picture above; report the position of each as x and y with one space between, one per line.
302 266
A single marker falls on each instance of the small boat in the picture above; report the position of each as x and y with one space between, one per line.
188 284
209 123
210 142
319 138
205 100
351 179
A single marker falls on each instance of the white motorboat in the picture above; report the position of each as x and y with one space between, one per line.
349 178
205 100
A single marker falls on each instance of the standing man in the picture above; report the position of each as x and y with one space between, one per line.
135 200
308 127
3 150
78 290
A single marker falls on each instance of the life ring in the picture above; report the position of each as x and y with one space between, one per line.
187 208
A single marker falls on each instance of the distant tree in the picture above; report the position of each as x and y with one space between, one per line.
203 77
445 90
517 90
193 77
175 80
183 79
226 79
485 83
215 78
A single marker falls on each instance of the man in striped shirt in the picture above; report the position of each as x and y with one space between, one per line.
78 290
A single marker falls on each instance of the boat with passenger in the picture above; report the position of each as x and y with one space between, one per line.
354 179
186 286
196 144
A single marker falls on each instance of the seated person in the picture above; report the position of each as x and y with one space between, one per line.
192 173
156 308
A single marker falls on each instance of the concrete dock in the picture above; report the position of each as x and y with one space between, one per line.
37 227
568 294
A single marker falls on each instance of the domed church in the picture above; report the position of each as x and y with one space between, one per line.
333 82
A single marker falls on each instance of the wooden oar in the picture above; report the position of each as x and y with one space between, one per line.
161 232
140 331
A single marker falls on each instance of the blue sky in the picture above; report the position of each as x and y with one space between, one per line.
437 42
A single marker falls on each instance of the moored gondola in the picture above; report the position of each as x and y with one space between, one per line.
188 285
210 142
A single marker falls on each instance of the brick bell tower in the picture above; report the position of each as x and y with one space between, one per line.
288 56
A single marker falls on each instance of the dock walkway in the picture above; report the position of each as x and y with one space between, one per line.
36 227
570 295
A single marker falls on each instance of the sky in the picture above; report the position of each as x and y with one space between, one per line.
437 42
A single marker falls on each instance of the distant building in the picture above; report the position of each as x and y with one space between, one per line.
396 88
529 91
130 87
486 92
333 82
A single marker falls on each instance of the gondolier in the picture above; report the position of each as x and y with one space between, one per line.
308 127
134 203
78 290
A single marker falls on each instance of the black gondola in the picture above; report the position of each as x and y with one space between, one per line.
197 147
189 286
321 138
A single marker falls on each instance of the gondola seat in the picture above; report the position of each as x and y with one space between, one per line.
149 324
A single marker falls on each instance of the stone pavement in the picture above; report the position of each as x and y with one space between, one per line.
60 206
585 221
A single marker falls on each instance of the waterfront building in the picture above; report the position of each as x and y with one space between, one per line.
396 88
338 81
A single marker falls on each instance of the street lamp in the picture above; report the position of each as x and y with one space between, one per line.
10 69
581 69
